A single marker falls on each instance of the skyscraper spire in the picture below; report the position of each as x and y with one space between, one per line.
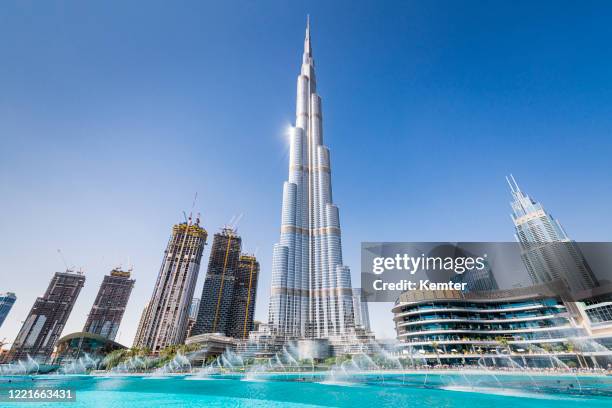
307 46
307 66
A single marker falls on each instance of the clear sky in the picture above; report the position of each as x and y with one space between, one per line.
113 114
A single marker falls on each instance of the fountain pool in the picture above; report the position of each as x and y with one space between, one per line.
382 388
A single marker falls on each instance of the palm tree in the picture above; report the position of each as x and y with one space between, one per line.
503 342
115 357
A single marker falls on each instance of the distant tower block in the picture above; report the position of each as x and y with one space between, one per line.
362 313
7 300
193 309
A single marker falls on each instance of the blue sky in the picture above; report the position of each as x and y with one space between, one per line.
112 115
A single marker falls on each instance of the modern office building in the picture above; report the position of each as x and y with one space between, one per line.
45 322
193 315
244 297
7 300
454 327
108 308
547 251
311 294
218 291
360 308
166 317
193 309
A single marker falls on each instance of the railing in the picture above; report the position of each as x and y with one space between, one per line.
531 331
485 308
482 318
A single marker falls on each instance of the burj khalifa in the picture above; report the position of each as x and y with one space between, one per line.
311 294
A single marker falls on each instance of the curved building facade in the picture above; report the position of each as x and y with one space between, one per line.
80 344
450 327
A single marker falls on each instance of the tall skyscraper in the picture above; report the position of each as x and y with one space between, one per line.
547 251
108 308
311 292
45 322
7 300
166 316
362 313
218 291
245 294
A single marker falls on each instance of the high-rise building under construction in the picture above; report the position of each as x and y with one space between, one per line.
227 304
108 308
218 291
245 294
165 319
45 322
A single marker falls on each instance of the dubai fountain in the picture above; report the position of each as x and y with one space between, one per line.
396 369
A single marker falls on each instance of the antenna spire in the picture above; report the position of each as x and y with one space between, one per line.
513 184
518 189
307 46
510 184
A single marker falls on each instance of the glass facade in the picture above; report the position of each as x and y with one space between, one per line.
311 292
7 300
77 345
504 324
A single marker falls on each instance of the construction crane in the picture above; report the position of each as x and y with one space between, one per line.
68 269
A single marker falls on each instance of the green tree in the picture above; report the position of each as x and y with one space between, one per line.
330 361
503 343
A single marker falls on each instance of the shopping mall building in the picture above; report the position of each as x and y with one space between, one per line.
526 327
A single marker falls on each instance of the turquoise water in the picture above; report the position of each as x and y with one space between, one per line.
432 390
